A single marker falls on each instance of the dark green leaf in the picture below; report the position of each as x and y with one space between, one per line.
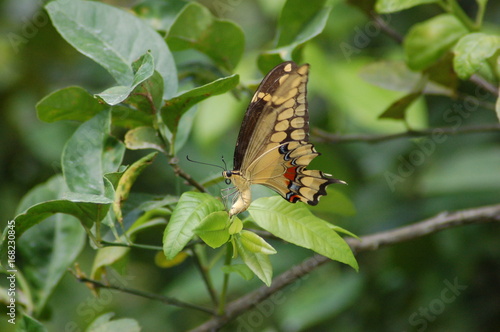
191 209
148 96
174 108
117 94
397 110
113 38
89 154
144 138
71 103
428 41
195 27
296 224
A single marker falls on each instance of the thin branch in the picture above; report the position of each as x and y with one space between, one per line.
152 296
376 138
366 243
479 81
379 21
206 277
180 172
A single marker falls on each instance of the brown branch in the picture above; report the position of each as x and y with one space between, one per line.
375 138
180 172
366 243
152 296
479 81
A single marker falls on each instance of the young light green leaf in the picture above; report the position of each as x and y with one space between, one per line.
221 40
174 108
89 154
71 103
392 6
127 180
144 138
213 229
117 94
113 38
257 262
397 110
426 42
236 226
471 52
296 224
241 269
255 243
103 323
191 209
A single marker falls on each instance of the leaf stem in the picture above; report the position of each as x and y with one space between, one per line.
452 7
223 295
131 245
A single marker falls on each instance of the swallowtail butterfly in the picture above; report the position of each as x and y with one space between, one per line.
273 146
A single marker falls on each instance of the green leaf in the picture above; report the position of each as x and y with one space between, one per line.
255 243
296 224
395 75
113 38
236 226
471 52
428 41
50 249
257 262
191 209
127 180
147 97
497 107
213 229
297 25
89 154
397 110
30 324
104 323
107 256
144 138
71 103
221 40
175 108
392 6
117 94
241 269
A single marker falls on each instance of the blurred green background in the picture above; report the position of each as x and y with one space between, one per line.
397 289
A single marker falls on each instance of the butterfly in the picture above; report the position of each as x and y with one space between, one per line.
273 146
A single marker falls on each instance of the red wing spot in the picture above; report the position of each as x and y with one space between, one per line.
291 173
294 198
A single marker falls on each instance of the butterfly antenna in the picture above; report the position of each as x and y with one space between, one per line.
224 161
199 162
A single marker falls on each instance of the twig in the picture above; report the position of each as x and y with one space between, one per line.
206 277
375 138
386 28
478 80
152 296
179 172
365 243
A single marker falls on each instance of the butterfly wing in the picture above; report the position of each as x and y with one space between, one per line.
273 146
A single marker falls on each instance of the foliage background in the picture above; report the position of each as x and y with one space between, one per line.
393 283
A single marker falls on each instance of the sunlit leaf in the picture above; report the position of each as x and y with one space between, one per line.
191 209
255 243
257 262
296 224
241 269
213 229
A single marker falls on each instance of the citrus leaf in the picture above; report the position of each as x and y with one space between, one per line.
241 269
255 243
144 138
391 6
428 41
397 110
257 262
472 50
191 209
117 94
113 38
296 224
221 40
213 229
